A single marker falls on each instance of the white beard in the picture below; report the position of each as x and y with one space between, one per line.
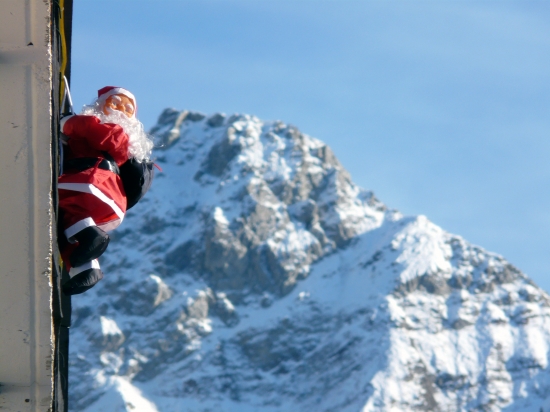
140 145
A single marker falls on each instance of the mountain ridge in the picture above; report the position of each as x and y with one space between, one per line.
257 276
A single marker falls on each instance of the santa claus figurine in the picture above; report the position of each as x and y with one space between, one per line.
105 138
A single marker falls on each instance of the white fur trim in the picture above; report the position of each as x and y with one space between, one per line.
77 227
94 264
63 121
120 90
89 188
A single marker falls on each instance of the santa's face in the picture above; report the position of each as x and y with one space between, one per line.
120 103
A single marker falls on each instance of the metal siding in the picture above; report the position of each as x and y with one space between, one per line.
26 212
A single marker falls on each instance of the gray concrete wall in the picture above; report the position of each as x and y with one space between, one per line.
26 212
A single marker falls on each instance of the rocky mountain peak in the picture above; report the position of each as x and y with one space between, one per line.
256 275
280 200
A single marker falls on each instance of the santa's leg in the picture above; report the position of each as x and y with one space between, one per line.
83 278
92 242
84 219
80 211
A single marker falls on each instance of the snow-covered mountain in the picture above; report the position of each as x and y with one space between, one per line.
256 276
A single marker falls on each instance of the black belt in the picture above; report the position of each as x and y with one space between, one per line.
84 163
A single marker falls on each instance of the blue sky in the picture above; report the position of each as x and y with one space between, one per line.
440 107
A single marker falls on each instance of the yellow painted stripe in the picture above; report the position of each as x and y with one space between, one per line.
63 49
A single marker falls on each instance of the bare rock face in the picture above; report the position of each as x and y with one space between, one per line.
142 297
257 276
296 203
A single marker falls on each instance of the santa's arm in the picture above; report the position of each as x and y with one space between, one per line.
106 137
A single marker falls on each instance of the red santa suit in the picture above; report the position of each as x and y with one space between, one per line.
94 196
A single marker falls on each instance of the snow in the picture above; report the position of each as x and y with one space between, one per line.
424 250
109 326
257 276
121 396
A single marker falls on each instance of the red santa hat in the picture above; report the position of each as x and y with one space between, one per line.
105 92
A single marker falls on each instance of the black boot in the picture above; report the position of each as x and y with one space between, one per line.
82 282
92 242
